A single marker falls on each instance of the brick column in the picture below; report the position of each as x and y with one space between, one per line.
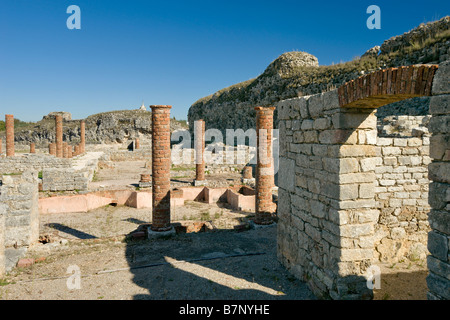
161 167
1 146
52 149
136 144
264 168
248 173
199 145
83 136
59 136
32 148
69 152
65 149
9 122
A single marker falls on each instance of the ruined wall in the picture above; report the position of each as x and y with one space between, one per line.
401 190
2 239
36 162
66 179
19 194
326 205
438 279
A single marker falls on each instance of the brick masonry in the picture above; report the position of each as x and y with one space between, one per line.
9 123
161 167
386 86
199 145
264 167
59 135
83 136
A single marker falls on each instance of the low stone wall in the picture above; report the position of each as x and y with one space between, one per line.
19 193
38 162
76 177
65 179
2 239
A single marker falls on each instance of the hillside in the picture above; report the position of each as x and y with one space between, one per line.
297 73
107 127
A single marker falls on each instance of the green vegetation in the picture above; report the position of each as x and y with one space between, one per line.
17 124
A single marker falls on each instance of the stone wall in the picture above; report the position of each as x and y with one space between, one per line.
2 239
19 193
36 162
66 179
401 188
326 205
438 279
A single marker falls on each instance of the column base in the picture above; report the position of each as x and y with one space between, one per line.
198 183
151 234
145 184
254 225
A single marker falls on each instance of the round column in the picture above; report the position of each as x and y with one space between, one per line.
264 167
161 167
9 123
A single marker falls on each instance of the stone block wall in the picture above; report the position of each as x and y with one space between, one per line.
438 279
2 239
66 179
36 162
401 189
19 195
326 205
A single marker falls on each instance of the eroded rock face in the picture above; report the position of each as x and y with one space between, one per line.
108 127
295 74
289 61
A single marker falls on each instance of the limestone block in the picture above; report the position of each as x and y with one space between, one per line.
441 81
440 105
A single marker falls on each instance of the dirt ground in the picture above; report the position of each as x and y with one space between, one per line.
222 263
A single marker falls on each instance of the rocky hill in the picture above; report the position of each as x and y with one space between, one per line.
106 127
298 73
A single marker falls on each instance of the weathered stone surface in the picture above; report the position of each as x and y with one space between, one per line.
441 82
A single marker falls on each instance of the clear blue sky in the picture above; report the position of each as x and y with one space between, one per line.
172 52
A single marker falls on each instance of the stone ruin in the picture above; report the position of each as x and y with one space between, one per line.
348 194
357 198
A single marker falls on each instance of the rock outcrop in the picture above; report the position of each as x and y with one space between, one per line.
295 74
108 127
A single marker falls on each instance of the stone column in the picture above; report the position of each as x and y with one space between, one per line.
161 167
9 122
136 144
264 205
69 152
59 136
1 146
199 145
32 148
52 149
83 136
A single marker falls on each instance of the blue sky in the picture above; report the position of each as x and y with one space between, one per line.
172 52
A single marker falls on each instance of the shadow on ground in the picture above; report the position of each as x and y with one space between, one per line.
213 265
